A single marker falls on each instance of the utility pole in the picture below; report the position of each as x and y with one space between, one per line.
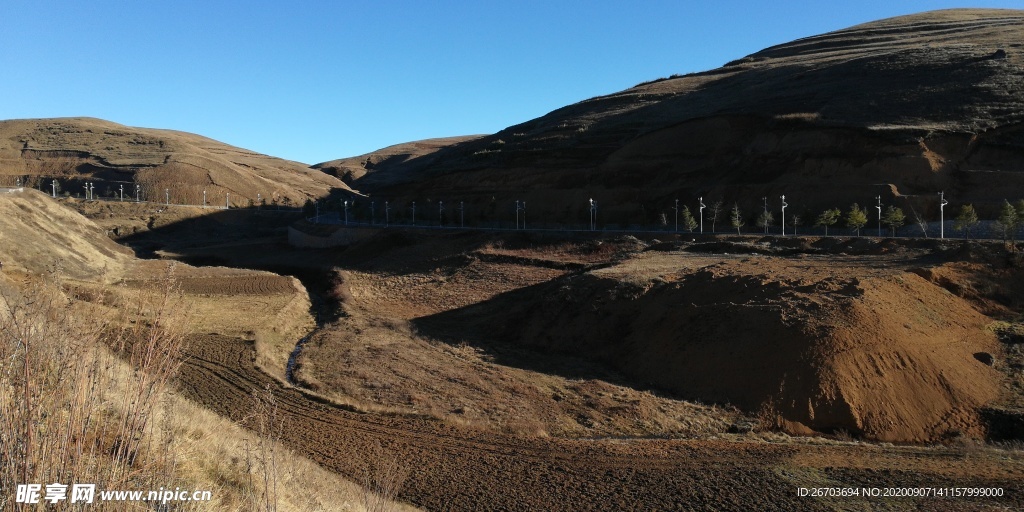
701 201
879 199
784 205
942 214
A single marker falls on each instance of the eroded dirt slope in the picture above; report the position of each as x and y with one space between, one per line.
799 340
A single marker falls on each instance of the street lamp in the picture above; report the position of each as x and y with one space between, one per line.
942 214
138 188
701 201
593 215
345 203
784 205
879 199
167 197
54 185
204 198
122 194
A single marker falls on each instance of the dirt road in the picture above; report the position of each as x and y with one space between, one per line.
451 468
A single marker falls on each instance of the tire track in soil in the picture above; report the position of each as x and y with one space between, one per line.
452 468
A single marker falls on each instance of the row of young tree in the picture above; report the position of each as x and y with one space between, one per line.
1009 221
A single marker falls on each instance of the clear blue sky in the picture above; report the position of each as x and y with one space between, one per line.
314 81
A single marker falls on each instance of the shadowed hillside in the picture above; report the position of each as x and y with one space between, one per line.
75 150
902 107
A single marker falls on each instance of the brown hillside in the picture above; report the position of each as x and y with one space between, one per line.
81 149
391 162
901 107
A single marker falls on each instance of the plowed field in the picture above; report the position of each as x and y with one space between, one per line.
451 468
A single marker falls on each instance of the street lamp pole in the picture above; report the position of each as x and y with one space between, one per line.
701 201
593 215
784 205
879 199
942 214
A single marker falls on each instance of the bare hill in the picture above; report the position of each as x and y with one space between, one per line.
900 107
84 149
391 162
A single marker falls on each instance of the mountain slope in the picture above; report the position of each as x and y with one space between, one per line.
900 107
391 161
84 149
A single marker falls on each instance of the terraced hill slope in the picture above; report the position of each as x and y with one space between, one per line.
80 149
900 107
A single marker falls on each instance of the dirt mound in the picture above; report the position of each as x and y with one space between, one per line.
886 355
41 235
76 150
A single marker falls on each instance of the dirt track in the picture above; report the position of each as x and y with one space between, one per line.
460 469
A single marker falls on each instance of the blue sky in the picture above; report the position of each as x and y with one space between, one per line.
314 81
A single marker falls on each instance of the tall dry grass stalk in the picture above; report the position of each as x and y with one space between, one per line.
261 453
69 411
384 476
